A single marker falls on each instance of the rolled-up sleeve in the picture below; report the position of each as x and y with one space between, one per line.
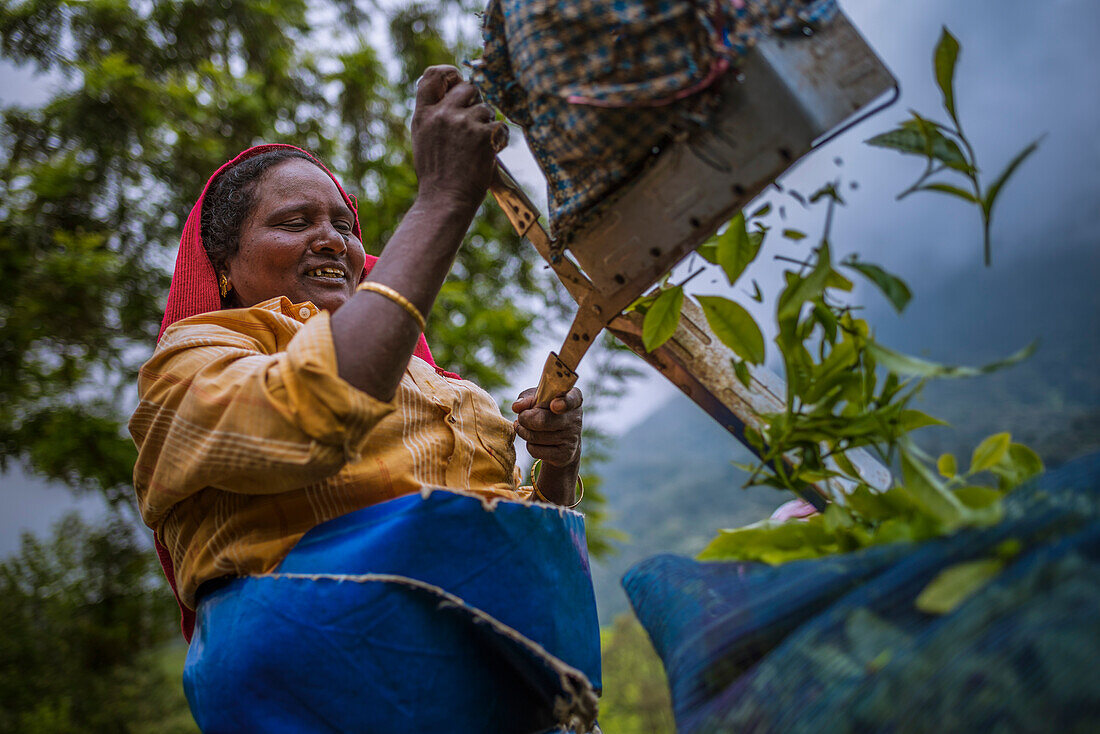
217 410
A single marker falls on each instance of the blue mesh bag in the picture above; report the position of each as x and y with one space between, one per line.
838 644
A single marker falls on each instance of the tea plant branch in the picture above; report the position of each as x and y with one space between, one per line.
947 148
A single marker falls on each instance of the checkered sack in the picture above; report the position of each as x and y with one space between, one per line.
599 86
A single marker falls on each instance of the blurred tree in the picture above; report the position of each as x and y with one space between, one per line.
636 698
80 629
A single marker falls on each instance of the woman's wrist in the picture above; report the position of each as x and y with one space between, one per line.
448 199
558 484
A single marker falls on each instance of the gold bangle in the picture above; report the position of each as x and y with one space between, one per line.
536 469
400 300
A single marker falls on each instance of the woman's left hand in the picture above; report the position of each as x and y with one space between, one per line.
554 435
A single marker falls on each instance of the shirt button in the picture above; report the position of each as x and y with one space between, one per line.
304 312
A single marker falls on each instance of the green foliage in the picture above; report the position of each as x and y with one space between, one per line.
636 698
86 617
848 392
946 147
838 402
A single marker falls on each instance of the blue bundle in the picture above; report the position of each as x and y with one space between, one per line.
434 612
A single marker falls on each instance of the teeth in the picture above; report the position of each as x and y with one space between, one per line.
326 273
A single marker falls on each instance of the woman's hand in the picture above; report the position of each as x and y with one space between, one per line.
554 435
453 137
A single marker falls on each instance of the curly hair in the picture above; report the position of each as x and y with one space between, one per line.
229 202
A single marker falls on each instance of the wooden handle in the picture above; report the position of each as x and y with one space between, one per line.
557 379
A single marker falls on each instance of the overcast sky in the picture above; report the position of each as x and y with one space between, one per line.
1027 69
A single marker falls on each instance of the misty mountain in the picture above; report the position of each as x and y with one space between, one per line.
1050 401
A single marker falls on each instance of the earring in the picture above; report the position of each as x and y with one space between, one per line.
223 285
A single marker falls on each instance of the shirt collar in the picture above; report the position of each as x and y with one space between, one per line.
303 311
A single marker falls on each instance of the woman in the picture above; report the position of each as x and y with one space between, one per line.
286 395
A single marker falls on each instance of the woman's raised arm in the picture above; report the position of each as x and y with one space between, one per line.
454 158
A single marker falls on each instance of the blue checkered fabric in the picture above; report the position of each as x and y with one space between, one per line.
599 86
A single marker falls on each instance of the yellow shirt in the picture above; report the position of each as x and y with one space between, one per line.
247 438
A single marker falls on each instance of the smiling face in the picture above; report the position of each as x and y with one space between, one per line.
297 241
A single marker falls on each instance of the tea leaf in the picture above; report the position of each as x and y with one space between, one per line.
709 251
911 420
735 250
801 289
927 490
951 191
735 327
838 281
1025 460
989 452
846 465
828 190
955 584
662 318
1018 465
742 371
794 234
945 57
995 188
903 140
772 542
977 498
947 466
922 137
642 303
762 211
938 145
913 366
893 287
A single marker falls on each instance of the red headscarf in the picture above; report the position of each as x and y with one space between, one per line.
194 290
